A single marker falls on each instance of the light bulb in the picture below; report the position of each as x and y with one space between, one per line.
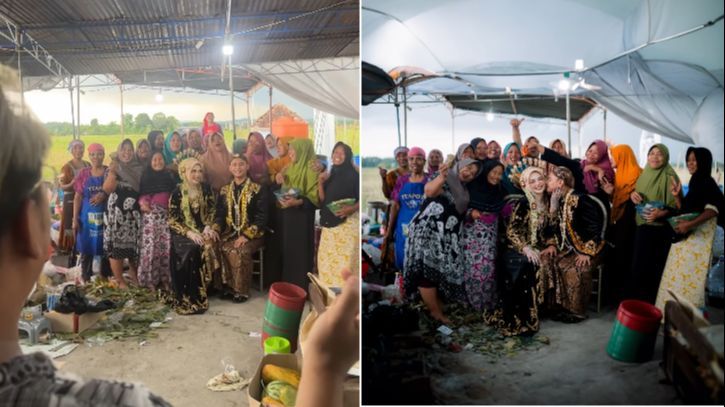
159 97
579 64
228 49
489 116
564 84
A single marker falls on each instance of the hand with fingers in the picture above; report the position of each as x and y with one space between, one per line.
582 261
515 123
636 197
533 255
675 186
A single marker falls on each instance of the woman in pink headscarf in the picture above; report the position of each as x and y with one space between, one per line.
597 169
209 128
216 162
257 155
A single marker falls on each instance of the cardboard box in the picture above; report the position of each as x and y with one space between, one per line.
351 386
72 323
254 390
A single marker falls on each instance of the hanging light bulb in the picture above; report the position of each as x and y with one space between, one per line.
489 116
228 49
159 97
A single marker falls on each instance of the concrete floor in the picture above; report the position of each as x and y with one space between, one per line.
187 353
573 369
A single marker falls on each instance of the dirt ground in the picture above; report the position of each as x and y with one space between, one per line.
186 354
573 369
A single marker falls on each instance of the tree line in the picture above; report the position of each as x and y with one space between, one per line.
139 124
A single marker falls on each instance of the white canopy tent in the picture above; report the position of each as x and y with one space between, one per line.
657 64
330 84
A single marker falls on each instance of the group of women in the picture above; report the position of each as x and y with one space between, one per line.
516 233
186 215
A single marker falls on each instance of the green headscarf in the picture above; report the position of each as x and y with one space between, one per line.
299 175
654 184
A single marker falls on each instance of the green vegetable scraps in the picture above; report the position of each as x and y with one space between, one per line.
136 309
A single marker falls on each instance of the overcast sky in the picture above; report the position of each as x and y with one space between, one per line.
105 105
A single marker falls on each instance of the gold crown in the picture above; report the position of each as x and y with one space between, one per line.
519 167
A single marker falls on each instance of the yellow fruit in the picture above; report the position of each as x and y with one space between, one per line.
270 402
271 373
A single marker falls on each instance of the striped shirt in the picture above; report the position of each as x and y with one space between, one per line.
32 380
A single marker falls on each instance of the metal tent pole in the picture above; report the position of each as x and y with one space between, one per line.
579 135
72 110
123 127
453 129
78 104
270 109
405 114
568 122
397 117
249 113
231 92
20 66
605 124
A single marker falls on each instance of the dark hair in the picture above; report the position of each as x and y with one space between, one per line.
241 157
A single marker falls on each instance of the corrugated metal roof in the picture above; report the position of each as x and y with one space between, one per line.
125 37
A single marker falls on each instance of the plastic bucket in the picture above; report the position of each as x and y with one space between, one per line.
283 313
635 331
276 344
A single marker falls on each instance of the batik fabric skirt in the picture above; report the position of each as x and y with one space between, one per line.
236 275
479 239
339 250
154 269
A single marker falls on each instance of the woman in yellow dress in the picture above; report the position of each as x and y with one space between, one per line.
689 259
339 242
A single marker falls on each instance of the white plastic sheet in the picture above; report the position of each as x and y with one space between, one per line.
331 85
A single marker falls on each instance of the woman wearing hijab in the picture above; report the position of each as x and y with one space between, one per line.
195 258
208 128
123 217
511 157
143 152
157 184
655 200
560 147
241 216
70 170
216 162
621 222
277 165
407 196
194 141
239 147
257 155
493 151
689 259
156 140
390 178
527 264
88 208
172 147
480 232
297 228
597 170
435 159
433 259
480 148
465 151
339 243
